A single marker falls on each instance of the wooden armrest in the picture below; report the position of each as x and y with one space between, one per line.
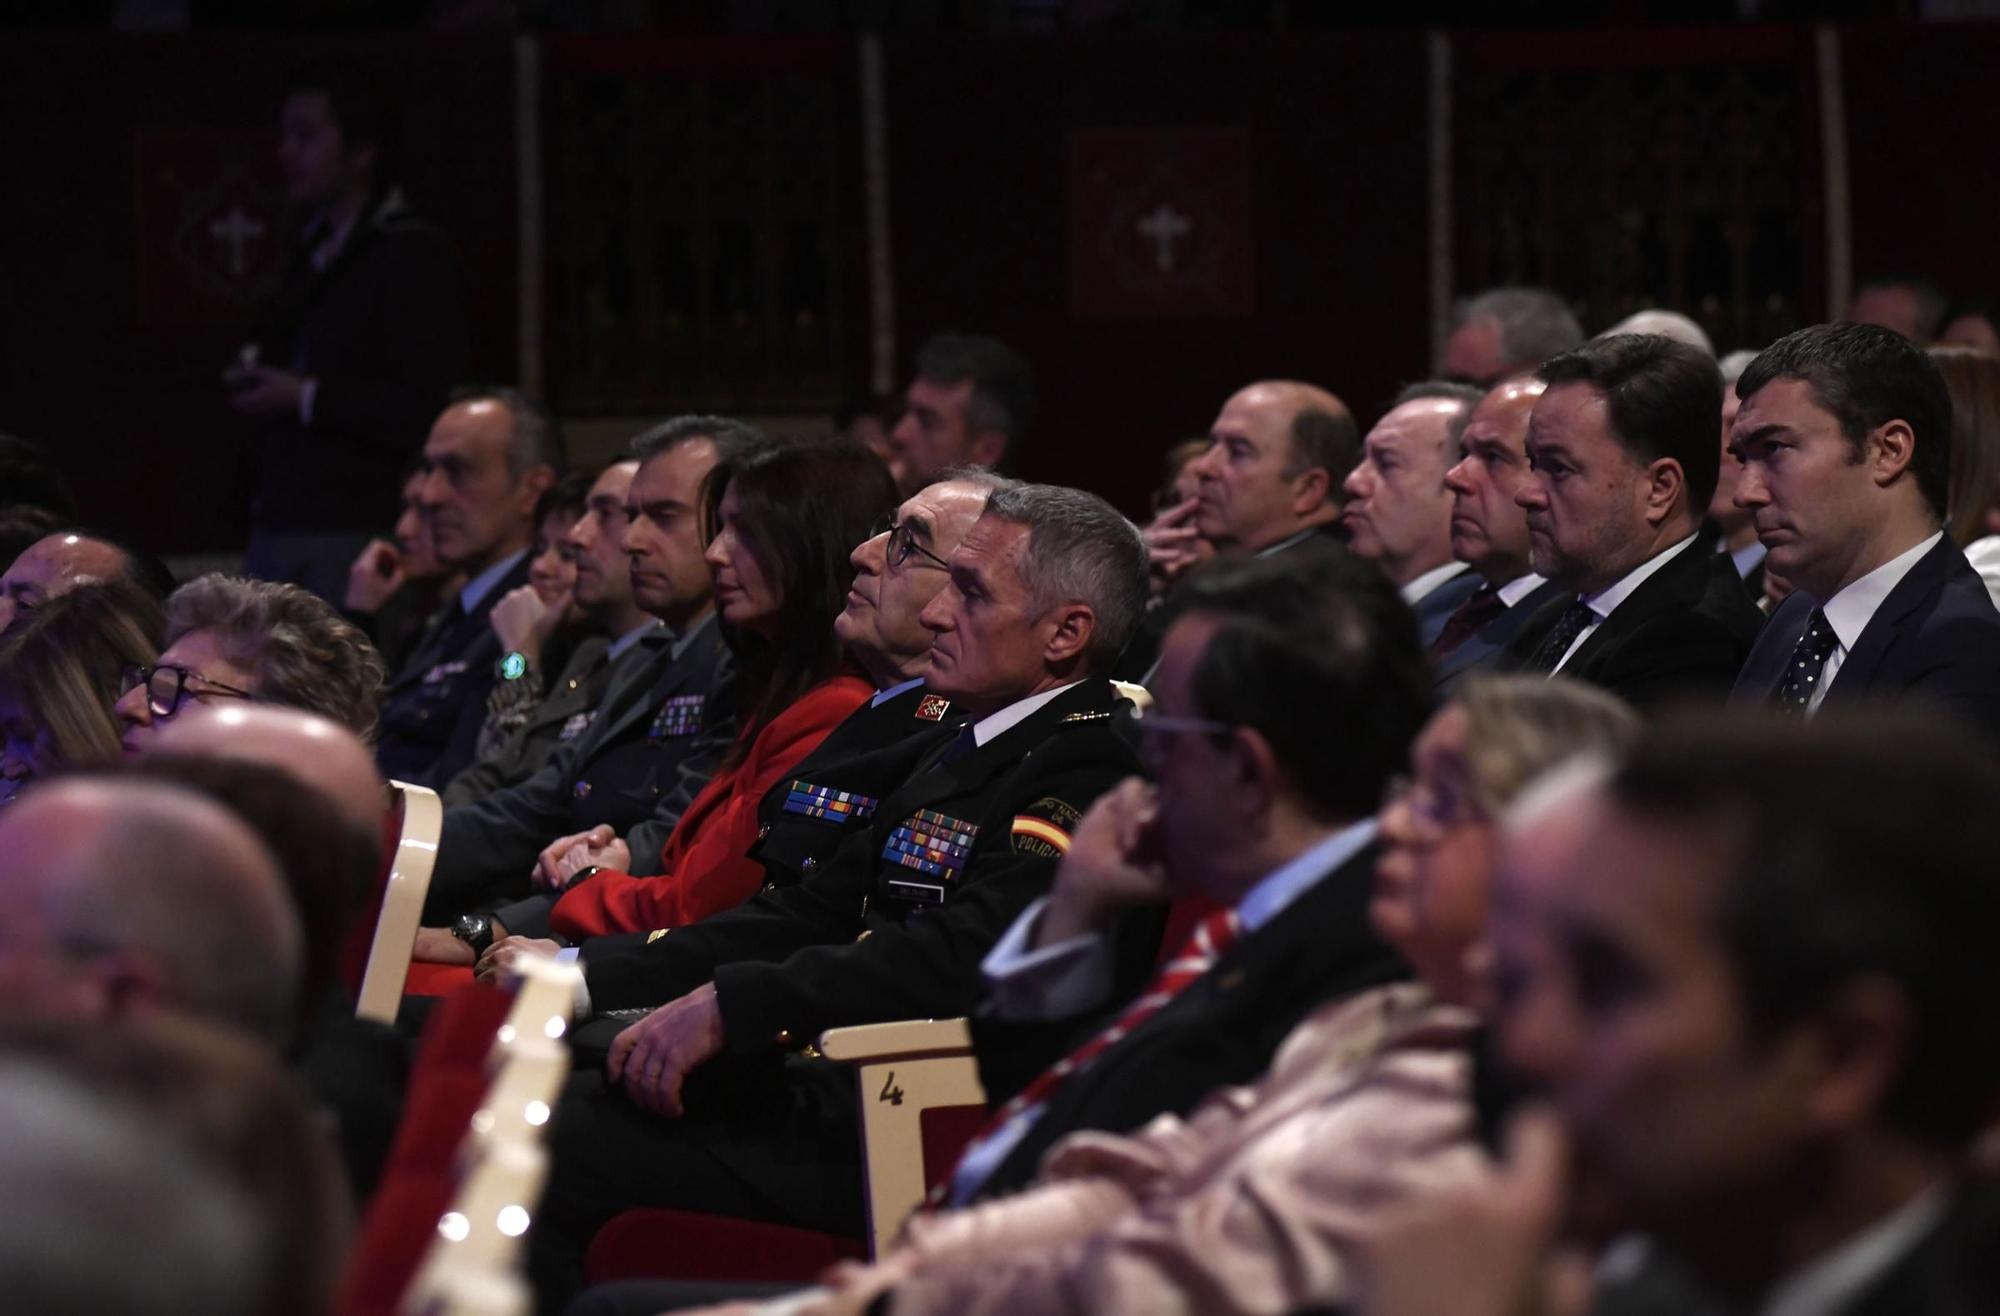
402 904
906 1039
1141 697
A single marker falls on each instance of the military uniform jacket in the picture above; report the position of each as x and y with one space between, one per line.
434 706
562 714
665 724
1221 1029
894 924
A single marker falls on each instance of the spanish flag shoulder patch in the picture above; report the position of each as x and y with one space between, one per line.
1039 836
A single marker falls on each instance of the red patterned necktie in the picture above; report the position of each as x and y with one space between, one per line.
1209 942
1475 612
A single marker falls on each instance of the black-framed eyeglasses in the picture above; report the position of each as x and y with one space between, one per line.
167 685
903 542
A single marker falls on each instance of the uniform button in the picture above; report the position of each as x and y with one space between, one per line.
784 1037
572 683
808 865
582 789
763 831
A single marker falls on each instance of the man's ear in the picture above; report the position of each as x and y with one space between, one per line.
1860 1041
987 448
1312 488
1890 449
1666 483
1076 627
1258 778
530 486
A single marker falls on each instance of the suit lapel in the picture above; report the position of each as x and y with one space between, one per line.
1676 584
1495 634
1921 581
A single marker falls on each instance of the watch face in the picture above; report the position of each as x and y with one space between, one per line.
513 667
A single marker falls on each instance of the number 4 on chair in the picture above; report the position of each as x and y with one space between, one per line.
890 1092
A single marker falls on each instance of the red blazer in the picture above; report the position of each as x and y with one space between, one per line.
705 865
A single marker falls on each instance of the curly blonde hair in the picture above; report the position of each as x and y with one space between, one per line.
301 652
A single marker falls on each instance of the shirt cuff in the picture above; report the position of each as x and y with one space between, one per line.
581 1012
1052 982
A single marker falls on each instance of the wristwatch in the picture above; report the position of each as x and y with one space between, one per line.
475 930
513 667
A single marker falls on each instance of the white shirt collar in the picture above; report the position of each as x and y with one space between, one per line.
1520 588
1606 600
1297 536
884 696
1849 611
623 644
1430 580
1293 878
476 589
993 724
1836 1279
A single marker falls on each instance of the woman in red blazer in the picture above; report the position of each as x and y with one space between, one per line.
783 518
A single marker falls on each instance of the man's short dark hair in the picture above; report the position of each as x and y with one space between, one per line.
1003 384
142 567
1467 396
1868 376
1664 399
1861 845
732 438
1320 658
358 96
536 437
29 475
1323 440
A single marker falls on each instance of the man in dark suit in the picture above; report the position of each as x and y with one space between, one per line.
1286 699
486 462
1751 970
1042 594
1398 512
1623 459
612 794
1489 533
1845 440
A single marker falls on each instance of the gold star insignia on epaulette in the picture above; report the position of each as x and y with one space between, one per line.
656 934
1075 718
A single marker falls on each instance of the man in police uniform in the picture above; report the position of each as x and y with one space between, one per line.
1043 593
487 461
838 785
663 726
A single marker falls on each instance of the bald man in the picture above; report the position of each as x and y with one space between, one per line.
54 565
322 754
98 877
1489 532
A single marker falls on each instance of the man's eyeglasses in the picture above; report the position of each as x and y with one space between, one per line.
903 542
167 685
1151 729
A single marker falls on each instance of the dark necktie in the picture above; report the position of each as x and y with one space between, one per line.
1475 612
1807 663
1574 621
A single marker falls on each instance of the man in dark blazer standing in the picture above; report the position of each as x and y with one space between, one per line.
1845 440
1489 533
1623 456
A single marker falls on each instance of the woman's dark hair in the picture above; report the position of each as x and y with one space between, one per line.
802 506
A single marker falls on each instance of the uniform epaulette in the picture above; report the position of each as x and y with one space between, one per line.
1075 718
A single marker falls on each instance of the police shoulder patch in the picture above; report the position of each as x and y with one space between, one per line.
1043 828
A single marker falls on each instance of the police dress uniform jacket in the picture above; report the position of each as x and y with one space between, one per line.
1221 1029
1935 639
435 705
665 723
1483 647
1682 634
707 866
894 924
562 714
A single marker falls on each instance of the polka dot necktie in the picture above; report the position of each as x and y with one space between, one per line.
1575 620
1807 664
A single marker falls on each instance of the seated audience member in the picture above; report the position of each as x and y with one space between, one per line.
971 404
58 563
1489 533
538 623
218 1096
611 796
1665 323
208 930
1974 324
1253 1202
1910 305
1845 438
31 478
784 517
1767 1046
1173 542
805 816
229 637
1505 331
394 586
1623 460
1973 380
59 673
532 715
868 421
1043 592
1735 526
487 460
1398 512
